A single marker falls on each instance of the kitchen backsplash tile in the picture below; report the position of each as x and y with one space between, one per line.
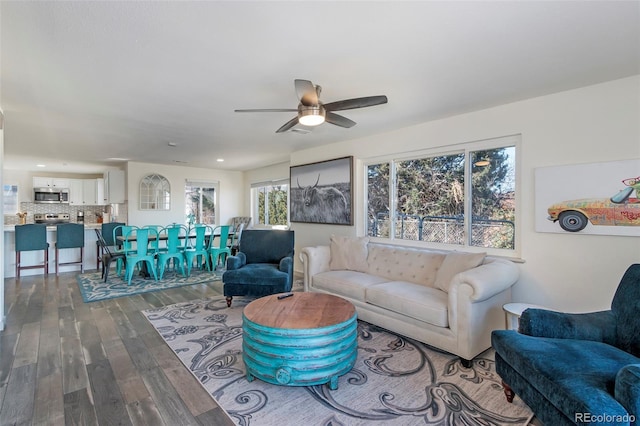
90 212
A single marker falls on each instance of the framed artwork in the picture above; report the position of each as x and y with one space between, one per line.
594 198
322 192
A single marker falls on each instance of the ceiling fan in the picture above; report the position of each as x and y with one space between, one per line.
312 112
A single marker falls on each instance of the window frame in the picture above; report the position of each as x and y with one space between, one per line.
467 148
215 185
255 190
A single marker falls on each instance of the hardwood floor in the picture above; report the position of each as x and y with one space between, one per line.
66 362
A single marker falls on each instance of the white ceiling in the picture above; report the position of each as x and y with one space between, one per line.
82 82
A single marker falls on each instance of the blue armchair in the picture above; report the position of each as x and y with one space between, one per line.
577 368
262 266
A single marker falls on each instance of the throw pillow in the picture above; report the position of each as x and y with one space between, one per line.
349 253
454 263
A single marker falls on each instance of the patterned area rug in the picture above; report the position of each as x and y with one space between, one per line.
93 288
395 381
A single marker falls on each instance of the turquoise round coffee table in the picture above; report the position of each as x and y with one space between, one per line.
302 340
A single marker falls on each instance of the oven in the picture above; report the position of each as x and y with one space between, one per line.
51 218
51 195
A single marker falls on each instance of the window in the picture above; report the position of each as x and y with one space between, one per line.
425 198
271 202
10 199
200 202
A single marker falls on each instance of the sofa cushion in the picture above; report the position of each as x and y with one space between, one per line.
454 263
416 301
348 253
350 284
404 264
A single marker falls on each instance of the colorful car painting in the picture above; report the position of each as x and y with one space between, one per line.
619 210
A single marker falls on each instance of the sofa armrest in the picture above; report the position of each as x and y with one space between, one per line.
627 389
595 326
314 260
486 280
237 261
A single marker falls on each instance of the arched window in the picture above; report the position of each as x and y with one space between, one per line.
155 193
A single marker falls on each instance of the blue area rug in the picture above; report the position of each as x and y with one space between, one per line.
93 288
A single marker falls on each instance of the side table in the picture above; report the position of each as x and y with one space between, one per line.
303 339
513 311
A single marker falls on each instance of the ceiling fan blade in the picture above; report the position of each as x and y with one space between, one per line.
306 92
267 110
289 124
355 103
339 120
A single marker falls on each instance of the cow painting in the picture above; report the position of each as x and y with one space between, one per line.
320 200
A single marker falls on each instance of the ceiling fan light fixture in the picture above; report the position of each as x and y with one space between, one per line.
311 115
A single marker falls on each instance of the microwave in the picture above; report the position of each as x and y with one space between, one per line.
51 195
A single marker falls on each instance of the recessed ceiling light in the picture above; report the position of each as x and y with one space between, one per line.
117 159
40 165
220 160
172 144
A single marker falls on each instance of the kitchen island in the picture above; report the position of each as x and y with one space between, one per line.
34 257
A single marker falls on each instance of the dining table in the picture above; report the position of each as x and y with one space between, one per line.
163 236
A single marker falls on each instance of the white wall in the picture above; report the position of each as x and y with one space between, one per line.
230 197
596 123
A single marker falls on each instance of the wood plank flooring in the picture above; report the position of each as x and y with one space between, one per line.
66 362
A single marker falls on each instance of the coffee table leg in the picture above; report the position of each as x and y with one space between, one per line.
250 376
333 383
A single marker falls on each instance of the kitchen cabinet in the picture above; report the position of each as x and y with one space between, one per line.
76 192
49 182
114 188
93 192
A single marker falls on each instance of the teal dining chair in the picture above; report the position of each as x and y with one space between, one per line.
156 243
198 242
174 250
122 245
221 250
141 252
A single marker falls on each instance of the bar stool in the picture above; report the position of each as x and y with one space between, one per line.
31 237
70 235
107 235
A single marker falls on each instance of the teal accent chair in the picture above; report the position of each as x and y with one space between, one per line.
69 236
577 368
174 250
141 252
262 266
106 230
198 242
222 250
31 237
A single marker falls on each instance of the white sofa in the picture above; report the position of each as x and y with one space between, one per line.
449 300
